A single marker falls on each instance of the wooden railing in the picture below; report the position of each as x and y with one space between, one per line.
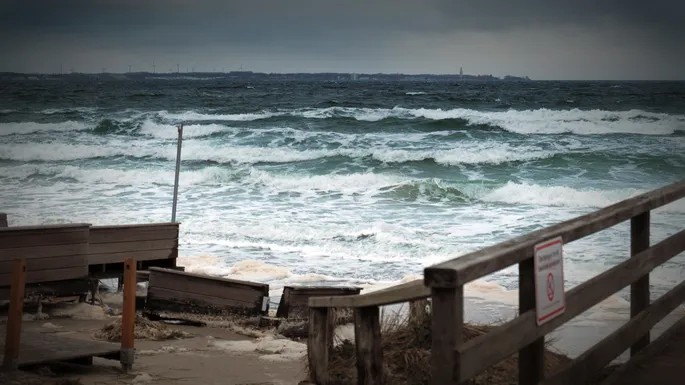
455 361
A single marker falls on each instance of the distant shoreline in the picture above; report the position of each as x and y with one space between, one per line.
249 75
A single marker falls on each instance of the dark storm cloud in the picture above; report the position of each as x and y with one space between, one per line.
320 27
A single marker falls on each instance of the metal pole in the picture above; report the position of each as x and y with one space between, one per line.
178 170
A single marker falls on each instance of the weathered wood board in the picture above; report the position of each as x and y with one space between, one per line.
3 220
41 348
179 291
52 252
294 302
112 244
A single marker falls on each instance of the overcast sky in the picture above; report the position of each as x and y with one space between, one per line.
543 39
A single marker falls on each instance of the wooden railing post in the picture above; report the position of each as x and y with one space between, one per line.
639 291
447 318
320 344
128 315
532 357
367 338
3 220
16 311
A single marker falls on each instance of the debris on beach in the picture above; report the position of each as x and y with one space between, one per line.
144 329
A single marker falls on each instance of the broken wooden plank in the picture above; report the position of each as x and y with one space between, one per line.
181 292
295 299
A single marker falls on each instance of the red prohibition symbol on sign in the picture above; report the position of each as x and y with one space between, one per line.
550 286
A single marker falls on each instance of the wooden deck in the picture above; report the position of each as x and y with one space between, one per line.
43 348
661 363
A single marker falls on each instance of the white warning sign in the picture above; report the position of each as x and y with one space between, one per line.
550 298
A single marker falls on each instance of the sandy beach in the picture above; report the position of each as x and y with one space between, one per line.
213 354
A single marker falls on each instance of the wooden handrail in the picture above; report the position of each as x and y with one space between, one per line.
478 264
405 292
455 361
479 354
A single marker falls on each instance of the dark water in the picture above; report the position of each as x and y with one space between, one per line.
348 182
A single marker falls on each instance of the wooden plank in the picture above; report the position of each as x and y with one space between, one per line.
14 317
39 252
643 358
138 226
484 351
367 338
145 255
178 273
301 297
8 232
49 275
208 286
282 311
478 264
397 294
131 234
128 314
531 359
128 247
295 300
178 301
447 335
589 363
181 296
46 263
639 291
39 348
320 344
46 237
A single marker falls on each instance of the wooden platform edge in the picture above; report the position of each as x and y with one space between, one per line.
654 348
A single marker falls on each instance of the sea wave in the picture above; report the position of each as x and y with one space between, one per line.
25 128
465 153
540 121
371 185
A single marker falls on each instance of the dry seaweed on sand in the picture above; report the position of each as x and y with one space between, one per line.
406 344
144 329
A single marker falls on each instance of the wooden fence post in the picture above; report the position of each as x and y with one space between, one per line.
447 318
639 291
532 357
367 338
16 311
319 344
128 315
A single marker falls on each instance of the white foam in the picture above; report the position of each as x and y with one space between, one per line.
532 194
24 128
169 131
269 348
198 116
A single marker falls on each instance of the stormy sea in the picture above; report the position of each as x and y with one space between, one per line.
347 183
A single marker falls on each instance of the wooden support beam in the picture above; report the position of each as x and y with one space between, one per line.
367 337
319 344
639 291
16 311
128 315
532 357
447 327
